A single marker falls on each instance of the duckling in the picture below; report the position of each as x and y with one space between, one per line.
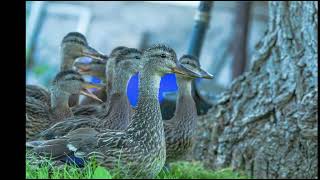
179 130
140 150
39 116
117 114
73 46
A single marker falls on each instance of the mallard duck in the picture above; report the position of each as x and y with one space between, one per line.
89 107
179 129
138 151
39 115
103 70
97 69
73 46
116 115
118 109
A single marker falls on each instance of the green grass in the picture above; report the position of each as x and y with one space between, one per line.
188 170
179 170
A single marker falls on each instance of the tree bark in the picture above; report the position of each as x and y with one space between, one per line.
266 122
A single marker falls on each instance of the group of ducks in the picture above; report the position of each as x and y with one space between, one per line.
135 141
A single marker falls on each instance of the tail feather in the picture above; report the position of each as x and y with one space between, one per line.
56 148
33 144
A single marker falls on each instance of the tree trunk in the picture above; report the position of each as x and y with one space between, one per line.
240 37
266 123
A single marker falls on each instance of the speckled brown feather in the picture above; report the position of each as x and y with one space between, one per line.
179 130
39 93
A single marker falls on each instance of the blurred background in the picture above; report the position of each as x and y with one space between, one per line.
234 29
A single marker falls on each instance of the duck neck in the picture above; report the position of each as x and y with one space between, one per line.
149 84
66 61
185 107
120 82
59 103
146 124
118 112
119 107
184 85
109 79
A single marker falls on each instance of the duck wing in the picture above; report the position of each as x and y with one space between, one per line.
82 143
38 93
68 125
88 110
37 117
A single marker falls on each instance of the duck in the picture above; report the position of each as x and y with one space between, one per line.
117 114
101 69
104 72
73 46
179 130
140 149
91 106
40 116
118 110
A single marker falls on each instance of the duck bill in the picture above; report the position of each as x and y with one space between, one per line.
81 67
94 54
180 70
206 75
83 70
88 85
89 94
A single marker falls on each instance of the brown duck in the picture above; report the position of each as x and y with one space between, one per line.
39 116
179 130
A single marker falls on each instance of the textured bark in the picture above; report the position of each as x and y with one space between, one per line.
266 123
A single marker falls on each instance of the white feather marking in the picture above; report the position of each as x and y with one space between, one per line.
79 154
71 147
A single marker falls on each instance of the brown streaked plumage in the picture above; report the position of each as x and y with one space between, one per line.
179 130
140 150
39 115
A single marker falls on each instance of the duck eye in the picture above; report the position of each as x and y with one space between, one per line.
75 79
71 79
186 63
163 55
